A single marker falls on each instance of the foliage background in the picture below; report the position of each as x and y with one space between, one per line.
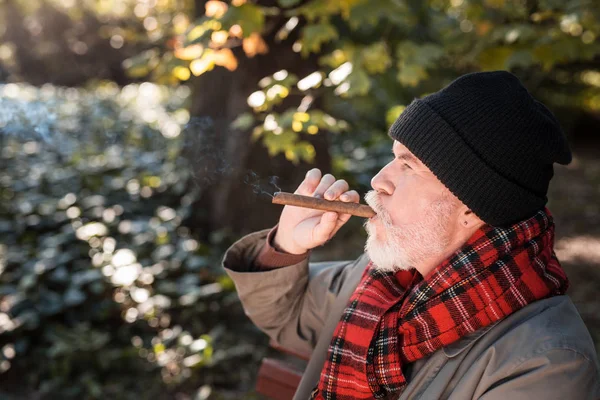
138 138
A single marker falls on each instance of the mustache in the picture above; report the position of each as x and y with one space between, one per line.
373 199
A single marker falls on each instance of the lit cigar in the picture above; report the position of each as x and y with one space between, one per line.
289 199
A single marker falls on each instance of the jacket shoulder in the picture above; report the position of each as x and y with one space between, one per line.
543 348
551 324
543 325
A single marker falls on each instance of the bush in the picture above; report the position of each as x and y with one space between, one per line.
104 292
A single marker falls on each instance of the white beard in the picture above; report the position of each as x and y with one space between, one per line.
405 246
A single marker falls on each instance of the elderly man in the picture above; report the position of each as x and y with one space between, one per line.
459 294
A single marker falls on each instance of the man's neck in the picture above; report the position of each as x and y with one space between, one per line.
458 240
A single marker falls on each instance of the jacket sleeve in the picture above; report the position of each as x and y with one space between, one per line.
269 257
561 373
289 304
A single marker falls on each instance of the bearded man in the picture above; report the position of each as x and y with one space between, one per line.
459 294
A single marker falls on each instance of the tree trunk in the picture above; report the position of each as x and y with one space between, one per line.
221 157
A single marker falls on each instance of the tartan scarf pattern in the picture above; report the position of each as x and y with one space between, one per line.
393 319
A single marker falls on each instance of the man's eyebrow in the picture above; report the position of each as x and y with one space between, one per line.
407 157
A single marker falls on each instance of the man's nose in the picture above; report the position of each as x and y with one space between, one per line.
381 182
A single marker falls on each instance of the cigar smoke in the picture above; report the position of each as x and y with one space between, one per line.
259 185
207 148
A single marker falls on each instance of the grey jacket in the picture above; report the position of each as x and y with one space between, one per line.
543 351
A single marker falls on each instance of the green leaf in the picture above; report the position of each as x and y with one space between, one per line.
248 16
244 121
424 55
318 9
199 31
359 83
393 113
345 51
376 58
414 60
285 119
372 12
325 121
280 143
411 75
313 36
305 151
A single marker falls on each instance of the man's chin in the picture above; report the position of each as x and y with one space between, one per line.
383 257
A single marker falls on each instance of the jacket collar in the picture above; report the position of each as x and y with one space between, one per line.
454 349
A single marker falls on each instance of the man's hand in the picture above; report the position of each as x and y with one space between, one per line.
302 229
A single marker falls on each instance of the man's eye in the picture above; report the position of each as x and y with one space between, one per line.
407 166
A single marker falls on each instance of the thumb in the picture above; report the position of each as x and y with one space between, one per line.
323 231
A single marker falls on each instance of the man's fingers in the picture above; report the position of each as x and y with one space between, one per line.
335 190
310 182
330 223
342 219
326 227
351 196
325 183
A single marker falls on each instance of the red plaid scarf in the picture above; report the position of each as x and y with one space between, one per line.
393 319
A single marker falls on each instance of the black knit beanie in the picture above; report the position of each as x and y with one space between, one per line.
489 141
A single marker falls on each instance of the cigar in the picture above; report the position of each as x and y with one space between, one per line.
359 210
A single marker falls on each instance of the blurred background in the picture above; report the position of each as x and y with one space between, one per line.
140 138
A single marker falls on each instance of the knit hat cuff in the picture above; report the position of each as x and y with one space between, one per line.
441 148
